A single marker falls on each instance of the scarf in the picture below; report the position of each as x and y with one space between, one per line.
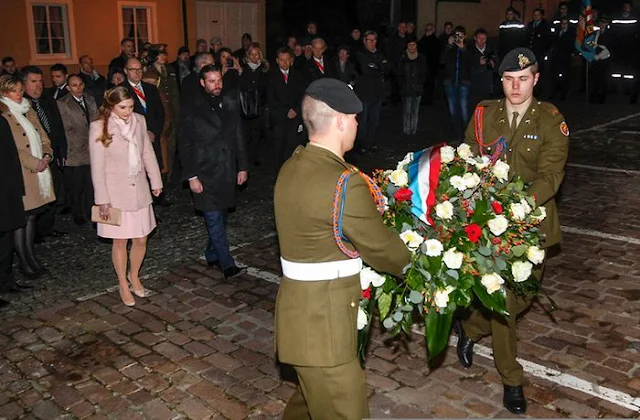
253 66
45 182
412 56
128 132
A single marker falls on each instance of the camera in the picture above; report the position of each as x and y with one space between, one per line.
458 37
230 63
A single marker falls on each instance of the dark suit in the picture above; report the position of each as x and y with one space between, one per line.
190 88
95 85
59 145
118 63
561 53
347 75
281 97
153 114
314 70
56 92
539 39
12 210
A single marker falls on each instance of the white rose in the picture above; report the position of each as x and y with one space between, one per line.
501 170
521 271
492 282
498 225
482 162
434 247
408 158
458 183
535 255
362 319
368 276
543 213
447 153
464 151
399 177
444 210
412 239
518 211
453 258
525 206
441 297
471 180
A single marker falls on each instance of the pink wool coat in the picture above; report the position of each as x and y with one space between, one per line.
109 167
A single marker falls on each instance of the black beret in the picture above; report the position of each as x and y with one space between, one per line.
183 50
337 94
517 59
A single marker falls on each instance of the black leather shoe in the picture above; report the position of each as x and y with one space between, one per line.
514 400
465 346
234 271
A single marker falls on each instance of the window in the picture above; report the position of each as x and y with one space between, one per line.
137 21
51 31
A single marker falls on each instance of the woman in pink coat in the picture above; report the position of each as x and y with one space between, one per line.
121 158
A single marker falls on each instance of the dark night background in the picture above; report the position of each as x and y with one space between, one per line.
336 18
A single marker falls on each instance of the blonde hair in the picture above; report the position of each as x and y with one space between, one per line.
112 97
9 83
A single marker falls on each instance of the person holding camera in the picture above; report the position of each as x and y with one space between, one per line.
457 60
483 68
231 71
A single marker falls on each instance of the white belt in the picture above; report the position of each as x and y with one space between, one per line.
320 271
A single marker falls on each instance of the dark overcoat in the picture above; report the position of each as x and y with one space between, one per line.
212 147
12 188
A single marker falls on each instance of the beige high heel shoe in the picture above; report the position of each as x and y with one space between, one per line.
140 293
126 302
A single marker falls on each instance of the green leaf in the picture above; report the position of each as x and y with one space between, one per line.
388 323
384 304
500 264
494 302
483 250
397 316
481 207
453 273
438 327
519 250
415 297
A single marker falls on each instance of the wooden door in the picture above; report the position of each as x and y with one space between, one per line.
227 20
210 20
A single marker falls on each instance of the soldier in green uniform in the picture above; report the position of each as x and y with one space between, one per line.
534 139
317 304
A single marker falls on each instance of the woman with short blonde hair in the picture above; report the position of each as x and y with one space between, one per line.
122 157
35 152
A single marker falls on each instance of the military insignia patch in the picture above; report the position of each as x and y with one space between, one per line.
523 61
564 128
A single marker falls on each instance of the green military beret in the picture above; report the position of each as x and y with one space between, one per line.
517 59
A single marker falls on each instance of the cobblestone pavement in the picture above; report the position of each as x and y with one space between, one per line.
202 347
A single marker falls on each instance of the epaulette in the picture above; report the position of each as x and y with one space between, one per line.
489 102
549 107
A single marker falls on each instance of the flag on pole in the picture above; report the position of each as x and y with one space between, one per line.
424 174
586 32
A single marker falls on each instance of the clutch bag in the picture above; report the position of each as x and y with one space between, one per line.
114 216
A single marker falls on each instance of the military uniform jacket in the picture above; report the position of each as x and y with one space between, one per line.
537 152
316 320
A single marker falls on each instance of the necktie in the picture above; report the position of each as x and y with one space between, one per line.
163 72
42 115
320 66
143 99
82 105
286 77
514 123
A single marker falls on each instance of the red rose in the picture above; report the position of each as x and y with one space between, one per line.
497 207
366 294
403 194
473 232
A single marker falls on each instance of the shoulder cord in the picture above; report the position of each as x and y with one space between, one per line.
339 199
500 142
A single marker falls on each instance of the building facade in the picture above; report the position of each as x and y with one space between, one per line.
45 32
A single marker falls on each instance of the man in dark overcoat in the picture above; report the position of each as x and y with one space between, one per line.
214 158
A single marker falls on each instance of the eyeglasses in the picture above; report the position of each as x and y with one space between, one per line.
135 70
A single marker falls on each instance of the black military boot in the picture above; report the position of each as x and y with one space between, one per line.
465 346
514 400
20 245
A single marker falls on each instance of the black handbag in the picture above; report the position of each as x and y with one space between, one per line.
250 103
